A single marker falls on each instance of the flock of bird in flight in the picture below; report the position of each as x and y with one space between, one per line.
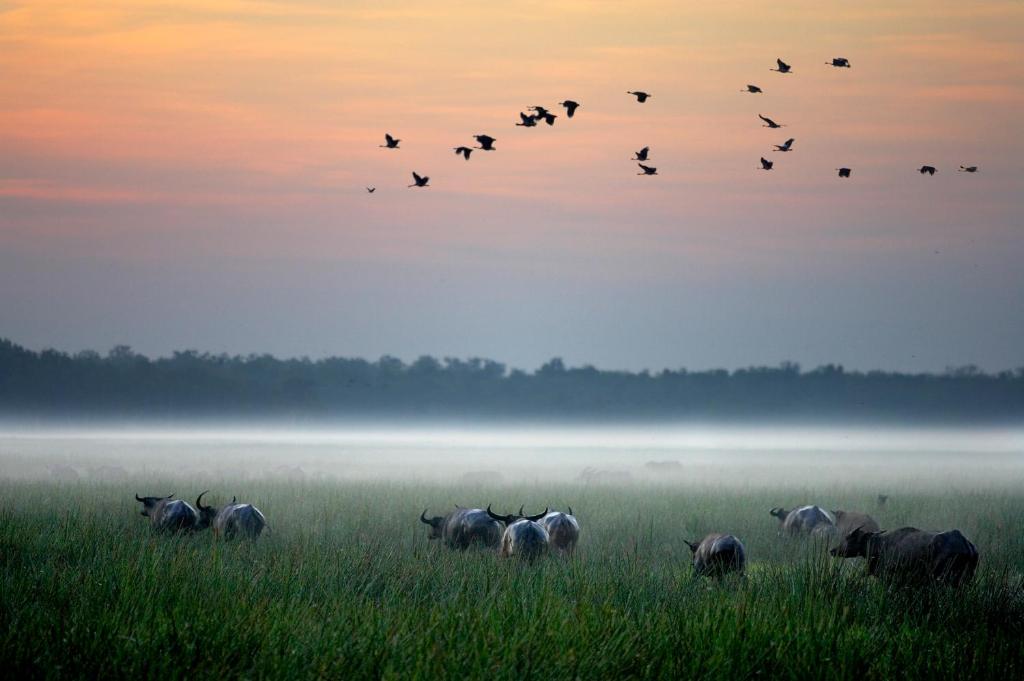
542 114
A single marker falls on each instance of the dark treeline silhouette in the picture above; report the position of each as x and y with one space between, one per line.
124 384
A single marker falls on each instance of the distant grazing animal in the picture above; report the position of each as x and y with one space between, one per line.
527 121
486 142
968 169
912 555
882 499
805 520
231 521
418 181
647 170
930 170
843 172
168 515
371 189
848 521
785 146
570 107
62 472
640 96
641 155
563 530
766 164
108 472
667 466
464 527
593 476
840 62
390 142
783 67
524 537
769 123
753 89
717 555
465 151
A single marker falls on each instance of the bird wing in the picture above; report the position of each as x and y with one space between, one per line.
389 138
782 64
416 177
789 142
647 169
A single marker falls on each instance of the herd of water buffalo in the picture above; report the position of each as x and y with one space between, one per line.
906 554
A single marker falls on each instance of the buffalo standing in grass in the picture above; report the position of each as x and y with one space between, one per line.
912 555
717 555
848 521
464 527
563 530
524 537
812 520
168 515
232 520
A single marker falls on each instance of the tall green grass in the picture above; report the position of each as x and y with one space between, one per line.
346 585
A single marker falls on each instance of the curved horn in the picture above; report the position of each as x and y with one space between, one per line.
693 545
495 516
169 495
535 518
234 499
521 510
138 498
570 511
199 501
423 518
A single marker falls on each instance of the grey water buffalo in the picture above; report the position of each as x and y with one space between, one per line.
523 537
912 555
231 521
805 520
563 530
168 515
717 555
848 521
463 528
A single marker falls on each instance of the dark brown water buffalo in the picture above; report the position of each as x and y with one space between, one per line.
563 530
717 555
913 555
848 521
524 537
805 520
464 527
168 515
232 520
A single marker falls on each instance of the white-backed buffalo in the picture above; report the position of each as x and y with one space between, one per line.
523 537
231 521
168 515
912 555
848 521
563 530
464 527
717 555
805 520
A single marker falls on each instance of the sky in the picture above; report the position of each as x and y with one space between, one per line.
192 174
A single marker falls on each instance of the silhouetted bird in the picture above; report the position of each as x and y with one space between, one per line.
769 123
570 107
783 67
419 181
641 155
640 96
930 170
371 189
647 170
843 172
753 89
766 164
465 151
392 143
486 142
548 117
841 62
785 146
527 121
968 169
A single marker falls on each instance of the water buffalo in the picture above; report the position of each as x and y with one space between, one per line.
718 554
168 515
463 528
912 555
848 521
563 530
805 520
524 537
232 520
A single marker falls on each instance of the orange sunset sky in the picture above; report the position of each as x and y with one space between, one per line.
191 174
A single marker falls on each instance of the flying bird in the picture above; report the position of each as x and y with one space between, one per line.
753 89
968 169
392 143
930 170
769 123
840 62
527 121
785 146
371 189
640 96
641 155
766 164
419 181
843 172
783 67
486 142
570 107
465 151
647 170
548 117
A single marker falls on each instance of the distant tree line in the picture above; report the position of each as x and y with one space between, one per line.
189 384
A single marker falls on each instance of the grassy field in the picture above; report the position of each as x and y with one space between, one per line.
347 586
